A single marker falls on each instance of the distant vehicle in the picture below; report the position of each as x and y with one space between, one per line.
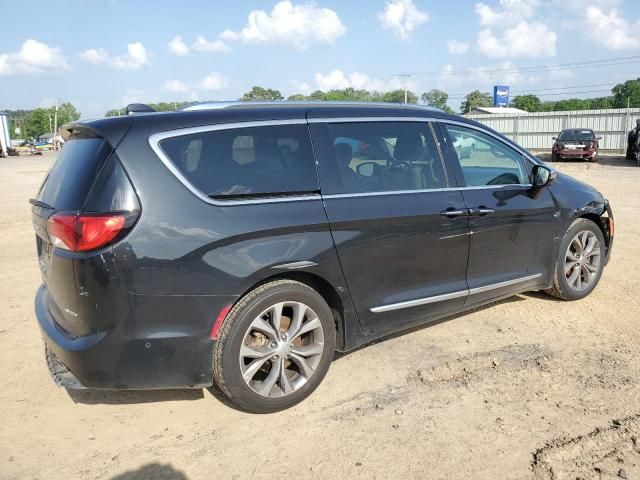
242 244
575 143
631 140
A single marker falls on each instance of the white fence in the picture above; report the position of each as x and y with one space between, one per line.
534 131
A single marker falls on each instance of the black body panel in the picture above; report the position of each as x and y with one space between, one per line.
145 305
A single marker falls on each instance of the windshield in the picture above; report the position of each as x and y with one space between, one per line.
576 134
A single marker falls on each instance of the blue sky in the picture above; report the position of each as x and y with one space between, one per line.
102 54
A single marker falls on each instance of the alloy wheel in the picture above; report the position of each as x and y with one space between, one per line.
582 260
281 349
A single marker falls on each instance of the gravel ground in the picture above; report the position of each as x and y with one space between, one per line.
529 387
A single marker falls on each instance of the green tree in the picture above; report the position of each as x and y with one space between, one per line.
476 99
529 103
435 98
39 121
397 96
260 93
627 91
296 97
66 113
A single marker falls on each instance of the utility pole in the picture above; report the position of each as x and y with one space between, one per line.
55 127
404 76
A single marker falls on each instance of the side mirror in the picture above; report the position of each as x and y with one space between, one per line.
542 175
554 138
598 138
366 169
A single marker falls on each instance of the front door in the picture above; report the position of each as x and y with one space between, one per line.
400 232
511 223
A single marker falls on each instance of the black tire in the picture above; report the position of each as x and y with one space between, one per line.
561 288
554 157
226 362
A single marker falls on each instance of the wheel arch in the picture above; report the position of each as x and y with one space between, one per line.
597 219
320 285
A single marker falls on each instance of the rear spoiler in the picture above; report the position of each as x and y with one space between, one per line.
112 129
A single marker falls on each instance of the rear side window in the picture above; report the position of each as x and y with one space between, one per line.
72 175
246 162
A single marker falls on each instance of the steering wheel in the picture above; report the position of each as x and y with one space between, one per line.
504 179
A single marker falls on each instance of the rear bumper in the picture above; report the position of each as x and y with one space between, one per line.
122 358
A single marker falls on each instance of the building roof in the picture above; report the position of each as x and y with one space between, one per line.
496 110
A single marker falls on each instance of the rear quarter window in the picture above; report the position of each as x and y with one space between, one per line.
68 183
245 162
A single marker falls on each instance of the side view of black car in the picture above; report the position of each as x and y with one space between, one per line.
242 244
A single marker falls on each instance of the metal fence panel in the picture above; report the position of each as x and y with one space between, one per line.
535 131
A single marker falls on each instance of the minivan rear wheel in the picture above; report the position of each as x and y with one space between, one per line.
274 346
580 262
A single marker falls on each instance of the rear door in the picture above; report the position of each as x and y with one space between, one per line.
401 233
511 223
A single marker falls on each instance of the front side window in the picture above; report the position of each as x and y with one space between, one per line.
485 160
246 162
385 156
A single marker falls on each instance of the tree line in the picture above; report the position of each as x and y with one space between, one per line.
33 123
623 94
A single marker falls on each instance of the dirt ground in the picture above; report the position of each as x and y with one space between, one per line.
529 387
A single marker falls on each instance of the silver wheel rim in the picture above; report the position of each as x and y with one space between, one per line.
281 349
582 261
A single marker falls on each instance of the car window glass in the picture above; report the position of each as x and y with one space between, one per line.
385 156
255 161
484 159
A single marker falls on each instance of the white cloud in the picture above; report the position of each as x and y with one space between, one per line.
336 79
176 86
95 56
33 58
457 48
301 87
611 29
524 40
213 81
402 17
178 47
203 45
136 57
298 26
510 13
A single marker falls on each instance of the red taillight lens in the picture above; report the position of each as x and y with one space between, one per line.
79 233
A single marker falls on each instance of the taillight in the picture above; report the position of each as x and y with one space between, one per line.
80 232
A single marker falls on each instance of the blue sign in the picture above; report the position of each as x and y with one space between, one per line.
500 96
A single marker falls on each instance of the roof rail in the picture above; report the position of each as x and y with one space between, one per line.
304 103
138 108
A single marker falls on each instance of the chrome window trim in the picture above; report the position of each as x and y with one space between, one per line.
512 146
426 190
370 119
452 295
155 139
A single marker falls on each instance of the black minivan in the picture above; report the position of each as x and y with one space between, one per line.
245 243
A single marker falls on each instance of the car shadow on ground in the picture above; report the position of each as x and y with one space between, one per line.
152 471
120 397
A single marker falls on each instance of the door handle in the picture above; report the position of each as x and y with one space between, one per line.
481 211
450 212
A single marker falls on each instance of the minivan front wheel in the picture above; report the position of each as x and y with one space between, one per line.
274 347
579 265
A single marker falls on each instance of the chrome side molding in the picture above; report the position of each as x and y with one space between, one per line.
452 295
